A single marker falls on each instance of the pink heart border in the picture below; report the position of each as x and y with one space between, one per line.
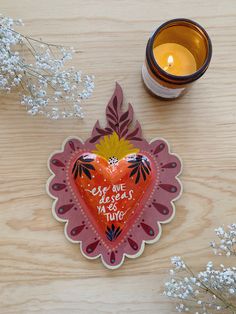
159 208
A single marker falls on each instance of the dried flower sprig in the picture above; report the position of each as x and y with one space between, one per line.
212 290
37 70
227 244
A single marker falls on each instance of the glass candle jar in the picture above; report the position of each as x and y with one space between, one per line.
177 54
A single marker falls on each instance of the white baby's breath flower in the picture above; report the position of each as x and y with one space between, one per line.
212 289
177 262
227 241
47 88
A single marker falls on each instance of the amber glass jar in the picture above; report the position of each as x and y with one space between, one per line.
192 37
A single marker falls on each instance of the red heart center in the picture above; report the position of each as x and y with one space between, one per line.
113 193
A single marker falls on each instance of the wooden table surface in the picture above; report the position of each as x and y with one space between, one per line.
40 271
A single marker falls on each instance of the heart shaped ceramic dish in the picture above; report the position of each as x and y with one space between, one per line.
114 190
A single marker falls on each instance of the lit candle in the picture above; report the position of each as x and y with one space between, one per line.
177 54
175 59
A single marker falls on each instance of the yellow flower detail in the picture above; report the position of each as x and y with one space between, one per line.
112 148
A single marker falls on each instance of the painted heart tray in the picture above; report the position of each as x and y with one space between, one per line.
114 190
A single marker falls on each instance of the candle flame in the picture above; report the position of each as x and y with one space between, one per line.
170 60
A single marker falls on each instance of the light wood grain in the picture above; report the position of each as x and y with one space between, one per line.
40 271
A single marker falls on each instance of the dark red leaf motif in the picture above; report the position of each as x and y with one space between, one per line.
123 125
135 132
101 131
161 208
148 229
75 231
133 244
64 209
109 130
72 145
92 246
170 165
58 186
124 133
124 116
136 139
57 163
112 258
111 117
168 187
95 138
112 111
115 103
159 148
117 120
112 125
